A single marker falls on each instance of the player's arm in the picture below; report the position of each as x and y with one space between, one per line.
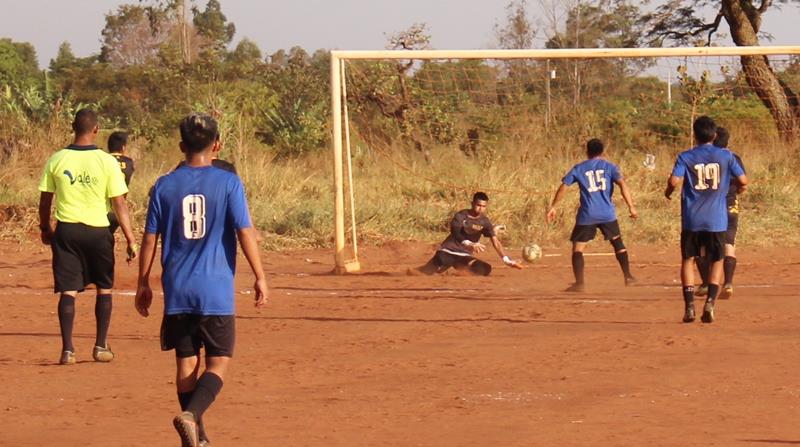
551 212
743 182
672 183
144 294
45 204
120 206
626 195
498 247
247 240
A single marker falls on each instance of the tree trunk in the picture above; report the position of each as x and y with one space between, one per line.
744 21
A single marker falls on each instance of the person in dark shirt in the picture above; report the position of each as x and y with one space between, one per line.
732 201
458 250
117 143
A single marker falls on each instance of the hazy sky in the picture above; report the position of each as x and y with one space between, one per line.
311 24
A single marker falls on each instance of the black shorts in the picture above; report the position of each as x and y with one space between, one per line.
187 333
82 255
585 233
733 227
703 243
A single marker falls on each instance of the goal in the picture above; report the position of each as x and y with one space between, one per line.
399 105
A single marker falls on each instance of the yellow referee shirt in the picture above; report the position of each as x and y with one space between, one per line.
83 178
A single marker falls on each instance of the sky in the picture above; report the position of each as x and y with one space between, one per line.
311 24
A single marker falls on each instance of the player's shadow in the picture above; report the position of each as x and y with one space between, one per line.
57 335
448 320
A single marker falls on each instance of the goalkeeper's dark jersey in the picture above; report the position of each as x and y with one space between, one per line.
465 227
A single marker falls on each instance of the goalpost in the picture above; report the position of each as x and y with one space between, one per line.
347 260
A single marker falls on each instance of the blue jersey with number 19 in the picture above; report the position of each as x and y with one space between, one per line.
197 212
706 171
596 177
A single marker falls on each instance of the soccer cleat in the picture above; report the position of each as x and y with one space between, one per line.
577 287
727 292
688 313
702 290
103 354
205 443
67 358
708 313
630 281
186 426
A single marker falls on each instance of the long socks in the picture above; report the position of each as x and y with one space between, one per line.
577 266
102 315
66 319
622 258
729 266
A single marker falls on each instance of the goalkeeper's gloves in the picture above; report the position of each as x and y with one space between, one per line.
511 263
475 246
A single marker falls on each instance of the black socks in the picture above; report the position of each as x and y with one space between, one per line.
102 315
713 291
66 319
577 266
688 295
622 258
206 390
729 266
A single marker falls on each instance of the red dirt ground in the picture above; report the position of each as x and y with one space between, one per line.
386 359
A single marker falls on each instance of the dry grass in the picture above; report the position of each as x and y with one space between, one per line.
401 196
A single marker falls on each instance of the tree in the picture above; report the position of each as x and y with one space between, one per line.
133 35
18 63
244 58
214 28
518 31
682 22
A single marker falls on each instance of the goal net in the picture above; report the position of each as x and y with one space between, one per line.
510 122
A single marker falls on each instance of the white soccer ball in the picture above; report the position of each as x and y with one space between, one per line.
532 253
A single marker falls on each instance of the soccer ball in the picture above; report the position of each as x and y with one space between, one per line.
531 253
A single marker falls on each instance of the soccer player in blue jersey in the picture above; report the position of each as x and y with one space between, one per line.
596 178
732 199
706 172
199 210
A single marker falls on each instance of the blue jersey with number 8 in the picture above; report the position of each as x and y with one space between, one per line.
596 178
197 212
706 171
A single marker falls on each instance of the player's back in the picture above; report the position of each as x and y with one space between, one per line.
707 171
596 177
125 165
197 211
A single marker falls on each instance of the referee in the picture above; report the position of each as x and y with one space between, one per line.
82 178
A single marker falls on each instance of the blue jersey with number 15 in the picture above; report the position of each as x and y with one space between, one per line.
706 171
596 178
197 212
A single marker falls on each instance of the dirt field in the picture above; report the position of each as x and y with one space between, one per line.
386 359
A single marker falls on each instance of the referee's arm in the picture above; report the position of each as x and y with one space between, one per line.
45 204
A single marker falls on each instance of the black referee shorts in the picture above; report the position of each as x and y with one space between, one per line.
585 233
82 255
703 243
187 333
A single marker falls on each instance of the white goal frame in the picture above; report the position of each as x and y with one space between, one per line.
340 125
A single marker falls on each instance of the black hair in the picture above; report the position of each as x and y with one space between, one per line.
594 147
198 131
480 196
705 129
722 137
117 141
85 121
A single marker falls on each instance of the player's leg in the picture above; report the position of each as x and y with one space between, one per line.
729 263
689 251
612 233
99 249
218 335
439 263
478 267
581 234
179 332
68 276
714 243
703 267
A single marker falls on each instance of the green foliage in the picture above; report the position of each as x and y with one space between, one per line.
213 26
18 63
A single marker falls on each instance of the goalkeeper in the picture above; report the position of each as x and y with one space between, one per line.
463 243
